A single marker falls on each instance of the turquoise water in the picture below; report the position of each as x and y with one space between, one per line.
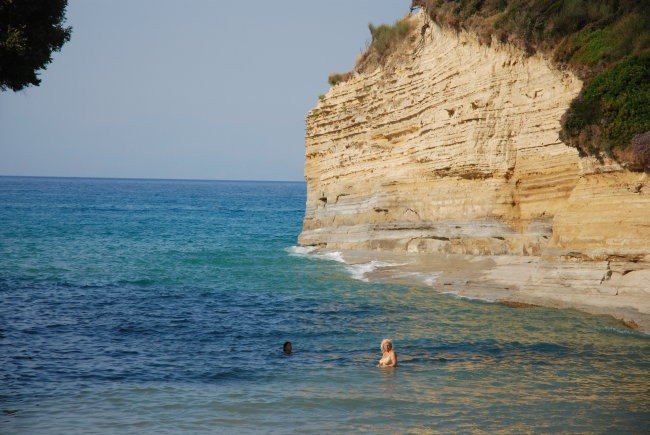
154 306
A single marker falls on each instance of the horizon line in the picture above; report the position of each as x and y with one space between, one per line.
149 178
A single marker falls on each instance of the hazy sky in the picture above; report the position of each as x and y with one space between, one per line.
200 89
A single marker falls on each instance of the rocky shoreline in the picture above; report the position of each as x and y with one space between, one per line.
519 282
445 166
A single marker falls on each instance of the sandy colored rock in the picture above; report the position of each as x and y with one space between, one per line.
453 148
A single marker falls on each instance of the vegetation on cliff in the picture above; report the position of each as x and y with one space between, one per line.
605 42
385 40
612 113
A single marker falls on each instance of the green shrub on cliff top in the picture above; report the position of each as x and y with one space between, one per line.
605 42
336 78
385 40
589 35
386 37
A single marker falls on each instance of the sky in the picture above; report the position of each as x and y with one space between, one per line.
184 89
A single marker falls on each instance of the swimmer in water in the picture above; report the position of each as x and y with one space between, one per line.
388 355
287 348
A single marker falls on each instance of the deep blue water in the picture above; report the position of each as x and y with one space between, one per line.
157 306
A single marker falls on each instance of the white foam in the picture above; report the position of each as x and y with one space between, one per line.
358 271
332 256
361 270
431 278
300 250
312 252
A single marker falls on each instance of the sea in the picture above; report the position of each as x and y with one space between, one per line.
161 307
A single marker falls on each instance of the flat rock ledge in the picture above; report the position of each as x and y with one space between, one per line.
595 287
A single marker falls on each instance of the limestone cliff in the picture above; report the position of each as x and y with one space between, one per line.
453 148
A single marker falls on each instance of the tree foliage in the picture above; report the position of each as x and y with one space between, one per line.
30 31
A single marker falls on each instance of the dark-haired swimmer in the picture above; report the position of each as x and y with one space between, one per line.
287 348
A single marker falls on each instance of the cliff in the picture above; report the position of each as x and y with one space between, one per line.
452 147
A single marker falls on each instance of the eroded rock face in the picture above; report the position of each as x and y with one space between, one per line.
454 148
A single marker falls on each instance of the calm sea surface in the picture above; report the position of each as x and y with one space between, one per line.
152 306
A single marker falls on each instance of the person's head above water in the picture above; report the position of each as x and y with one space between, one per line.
287 348
386 345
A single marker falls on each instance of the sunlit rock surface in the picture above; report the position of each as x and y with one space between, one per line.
453 148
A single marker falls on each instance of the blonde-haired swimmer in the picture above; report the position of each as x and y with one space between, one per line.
388 355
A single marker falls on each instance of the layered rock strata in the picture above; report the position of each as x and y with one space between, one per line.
452 147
